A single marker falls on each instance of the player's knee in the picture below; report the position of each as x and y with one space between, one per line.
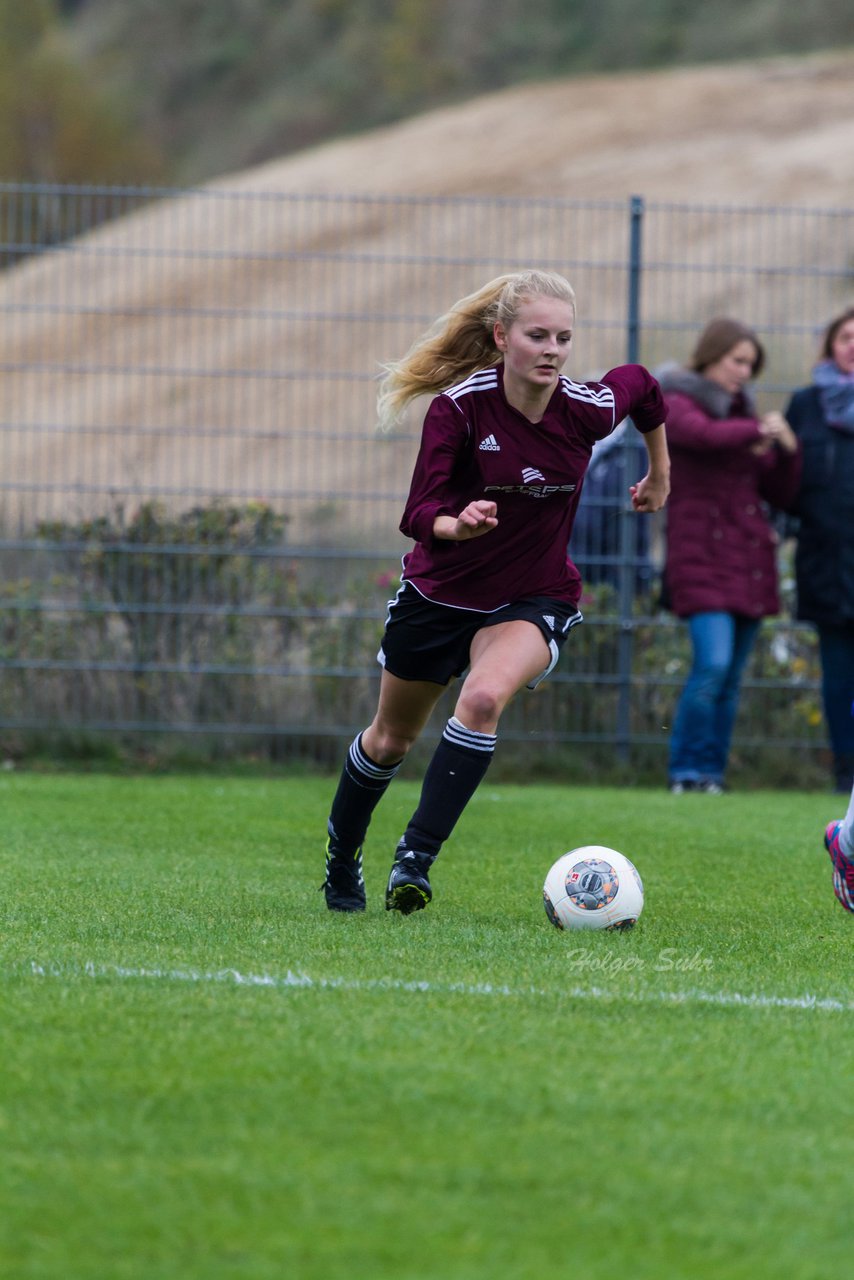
479 706
389 745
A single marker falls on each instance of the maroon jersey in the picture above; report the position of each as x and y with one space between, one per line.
474 445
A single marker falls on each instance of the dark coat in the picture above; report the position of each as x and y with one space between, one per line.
824 560
721 545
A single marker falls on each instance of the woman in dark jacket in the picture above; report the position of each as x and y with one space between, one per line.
822 416
721 573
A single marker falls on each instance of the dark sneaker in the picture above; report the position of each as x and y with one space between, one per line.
843 867
344 886
408 887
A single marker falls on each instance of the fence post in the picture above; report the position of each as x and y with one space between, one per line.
628 539
636 211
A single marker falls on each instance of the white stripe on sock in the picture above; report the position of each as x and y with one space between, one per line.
459 736
366 767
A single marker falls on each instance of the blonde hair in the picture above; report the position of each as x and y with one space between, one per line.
461 340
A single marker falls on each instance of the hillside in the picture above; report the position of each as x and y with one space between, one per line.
218 86
775 131
204 321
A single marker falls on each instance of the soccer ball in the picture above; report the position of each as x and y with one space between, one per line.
593 888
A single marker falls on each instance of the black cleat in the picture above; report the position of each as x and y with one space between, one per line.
344 886
408 886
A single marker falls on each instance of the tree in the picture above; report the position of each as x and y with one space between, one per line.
55 125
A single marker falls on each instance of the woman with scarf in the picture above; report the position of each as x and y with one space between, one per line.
727 462
822 416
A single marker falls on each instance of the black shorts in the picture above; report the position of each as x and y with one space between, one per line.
427 641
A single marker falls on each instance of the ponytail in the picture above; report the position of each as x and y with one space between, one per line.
461 340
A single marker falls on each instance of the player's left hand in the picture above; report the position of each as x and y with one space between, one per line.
650 494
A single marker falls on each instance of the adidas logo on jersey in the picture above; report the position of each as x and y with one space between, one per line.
490 445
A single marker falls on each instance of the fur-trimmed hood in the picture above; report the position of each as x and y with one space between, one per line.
711 397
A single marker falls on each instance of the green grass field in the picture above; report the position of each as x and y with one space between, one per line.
205 1074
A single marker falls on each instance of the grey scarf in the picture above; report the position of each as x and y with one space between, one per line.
712 398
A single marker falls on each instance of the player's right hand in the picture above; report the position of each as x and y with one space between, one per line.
477 518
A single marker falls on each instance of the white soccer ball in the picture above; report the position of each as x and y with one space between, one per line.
593 888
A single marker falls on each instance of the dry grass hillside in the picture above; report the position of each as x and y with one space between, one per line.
218 343
777 132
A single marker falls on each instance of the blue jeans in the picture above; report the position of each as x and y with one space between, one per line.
836 648
702 730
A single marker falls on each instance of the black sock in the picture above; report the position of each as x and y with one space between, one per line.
362 785
453 775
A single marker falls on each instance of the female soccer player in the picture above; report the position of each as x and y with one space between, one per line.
488 586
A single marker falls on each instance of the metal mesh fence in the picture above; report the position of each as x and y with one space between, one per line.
198 522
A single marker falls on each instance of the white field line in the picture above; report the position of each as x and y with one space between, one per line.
291 980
